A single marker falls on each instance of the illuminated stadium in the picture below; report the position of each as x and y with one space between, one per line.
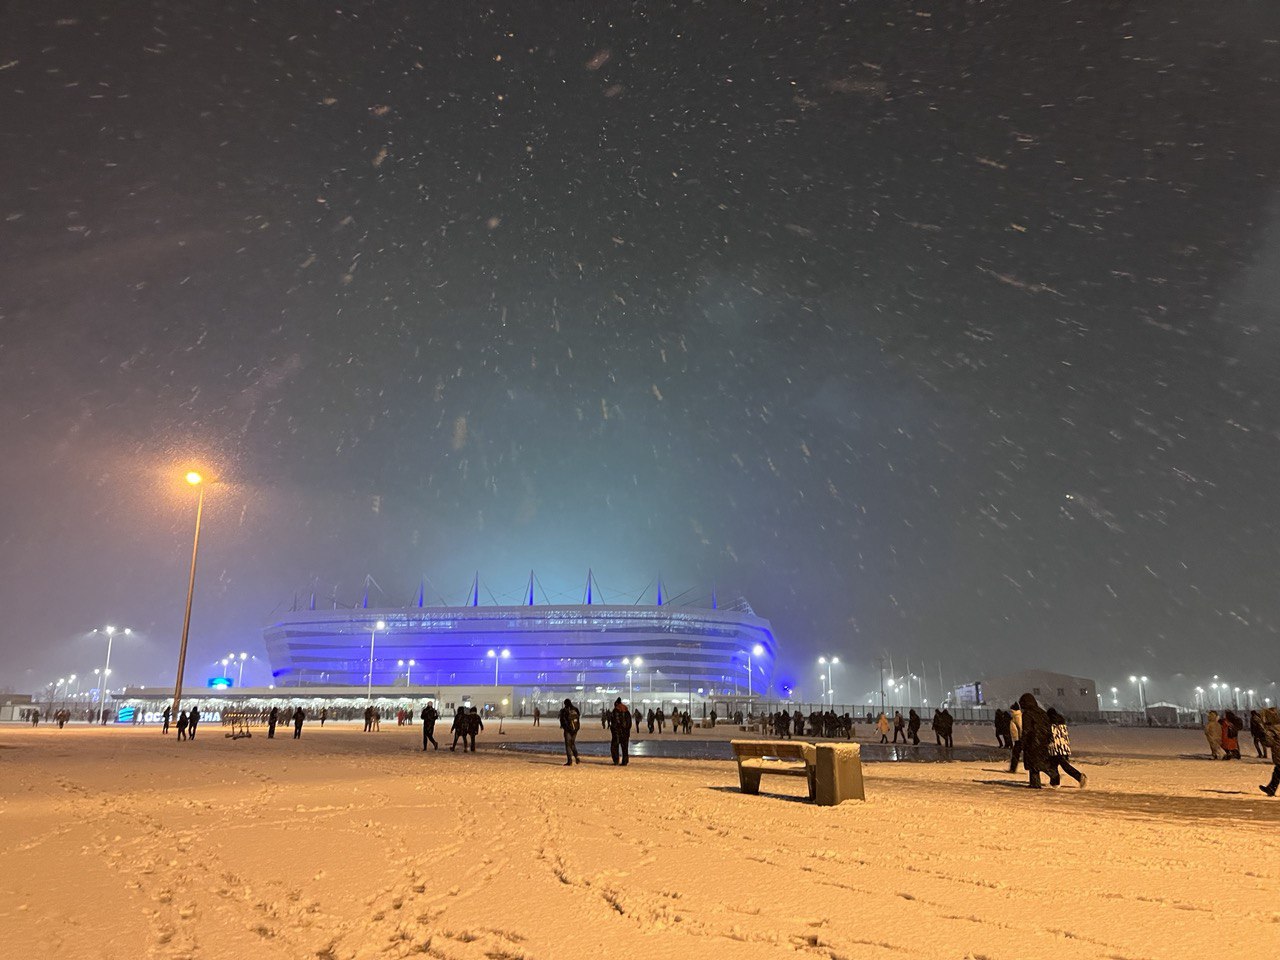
544 649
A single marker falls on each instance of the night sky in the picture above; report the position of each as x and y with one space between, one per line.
947 331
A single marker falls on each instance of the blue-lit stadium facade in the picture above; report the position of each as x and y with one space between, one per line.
549 648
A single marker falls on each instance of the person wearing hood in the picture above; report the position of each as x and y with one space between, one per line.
570 721
619 732
1271 728
1060 751
1231 727
1213 733
913 726
1015 737
882 725
1258 732
1036 736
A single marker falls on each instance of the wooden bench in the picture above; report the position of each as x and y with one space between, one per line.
788 758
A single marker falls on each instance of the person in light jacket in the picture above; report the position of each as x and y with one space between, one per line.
1213 733
1015 736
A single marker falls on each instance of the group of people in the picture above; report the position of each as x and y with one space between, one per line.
1223 733
186 723
273 718
908 727
1040 740
822 723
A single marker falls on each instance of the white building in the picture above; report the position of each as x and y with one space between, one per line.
1073 696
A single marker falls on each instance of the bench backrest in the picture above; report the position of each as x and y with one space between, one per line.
782 749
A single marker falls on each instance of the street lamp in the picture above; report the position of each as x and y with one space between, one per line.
829 662
630 663
497 657
1249 706
408 665
106 670
240 679
380 625
225 661
1115 699
755 651
1142 692
195 480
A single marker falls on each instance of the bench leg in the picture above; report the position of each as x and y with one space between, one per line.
749 780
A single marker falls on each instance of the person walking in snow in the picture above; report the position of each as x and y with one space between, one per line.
1271 729
1258 732
324 715
1231 727
368 719
299 716
182 725
1015 736
899 727
1060 751
192 720
1213 733
570 721
649 720
945 723
537 716
459 729
272 719
474 726
913 726
1036 735
619 732
168 712
1001 721
429 717
882 725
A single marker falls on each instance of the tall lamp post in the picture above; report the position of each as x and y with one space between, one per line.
1142 692
197 481
829 662
498 657
106 670
373 635
631 663
408 665
240 678
755 651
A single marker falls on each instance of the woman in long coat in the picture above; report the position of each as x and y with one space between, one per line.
1036 735
1213 733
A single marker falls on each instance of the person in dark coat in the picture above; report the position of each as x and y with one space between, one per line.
299 716
1036 736
1001 721
459 728
649 720
1258 732
182 725
570 721
192 720
945 723
168 712
899 727
429 717
619 731
913 726
474 726
272 719
1271 730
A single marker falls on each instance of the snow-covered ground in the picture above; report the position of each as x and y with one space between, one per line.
120 843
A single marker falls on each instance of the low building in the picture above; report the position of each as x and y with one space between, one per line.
1074 697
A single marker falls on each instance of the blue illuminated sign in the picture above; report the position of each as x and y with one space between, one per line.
219 683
